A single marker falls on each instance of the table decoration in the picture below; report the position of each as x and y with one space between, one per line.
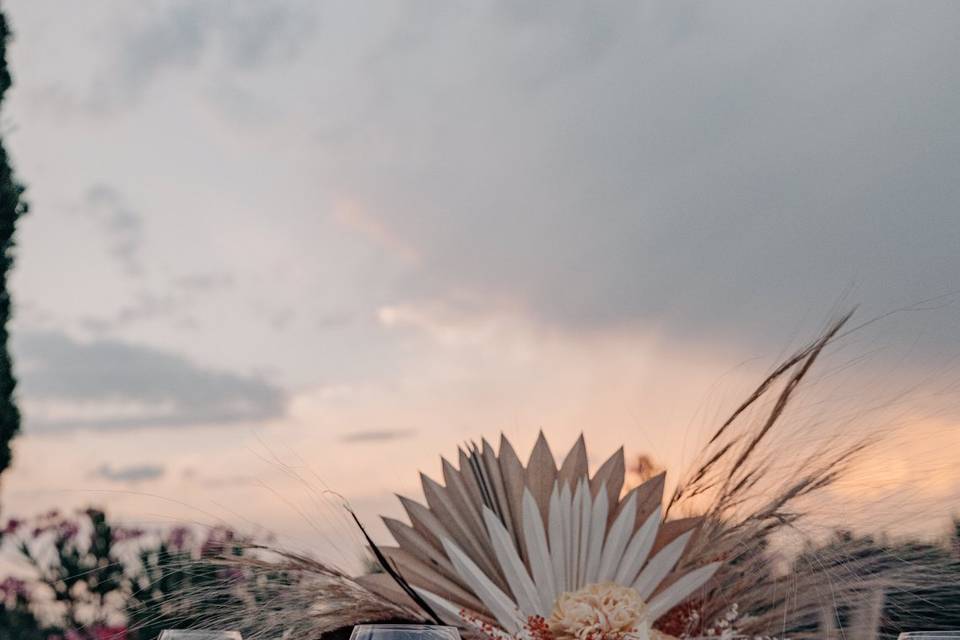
547 550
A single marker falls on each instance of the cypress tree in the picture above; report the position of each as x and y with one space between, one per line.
12 206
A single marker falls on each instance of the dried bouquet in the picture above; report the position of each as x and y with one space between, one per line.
548 551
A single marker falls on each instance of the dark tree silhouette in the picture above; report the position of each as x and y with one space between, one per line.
12 206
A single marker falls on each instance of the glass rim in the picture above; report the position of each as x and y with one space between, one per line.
401 626
188 634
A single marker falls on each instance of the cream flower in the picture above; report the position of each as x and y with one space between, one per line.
604 611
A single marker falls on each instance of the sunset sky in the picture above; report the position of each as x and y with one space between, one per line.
334 240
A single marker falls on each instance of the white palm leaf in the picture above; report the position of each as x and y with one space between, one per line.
573 539
598 527
681 589
566 551
448 612
558 540
496 601
617 539
639 548
538 551
583 532
660 565
521 584
516 537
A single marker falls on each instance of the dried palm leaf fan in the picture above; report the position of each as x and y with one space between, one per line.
541 551
549 552
505 548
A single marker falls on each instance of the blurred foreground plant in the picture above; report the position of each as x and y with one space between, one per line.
88 579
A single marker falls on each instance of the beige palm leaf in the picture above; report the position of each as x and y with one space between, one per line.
498 542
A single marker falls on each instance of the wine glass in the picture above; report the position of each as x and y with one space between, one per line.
403 632
930 635
173 634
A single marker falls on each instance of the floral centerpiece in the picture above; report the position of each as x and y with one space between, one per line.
547 550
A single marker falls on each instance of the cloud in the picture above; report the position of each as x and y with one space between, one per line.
145 306
205 282
181 36
106 384
382 435
123 224
131 474
724 174
697 169
175 303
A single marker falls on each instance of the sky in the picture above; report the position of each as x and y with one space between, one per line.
280 248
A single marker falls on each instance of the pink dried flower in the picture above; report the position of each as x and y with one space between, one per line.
12 525
178 538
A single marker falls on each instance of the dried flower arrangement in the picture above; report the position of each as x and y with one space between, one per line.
547 551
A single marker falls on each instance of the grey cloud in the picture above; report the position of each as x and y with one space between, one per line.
174 304
123 224
704 168
281 318
205 282
54 368
378 435
145 306
182 35
130 474
335 320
